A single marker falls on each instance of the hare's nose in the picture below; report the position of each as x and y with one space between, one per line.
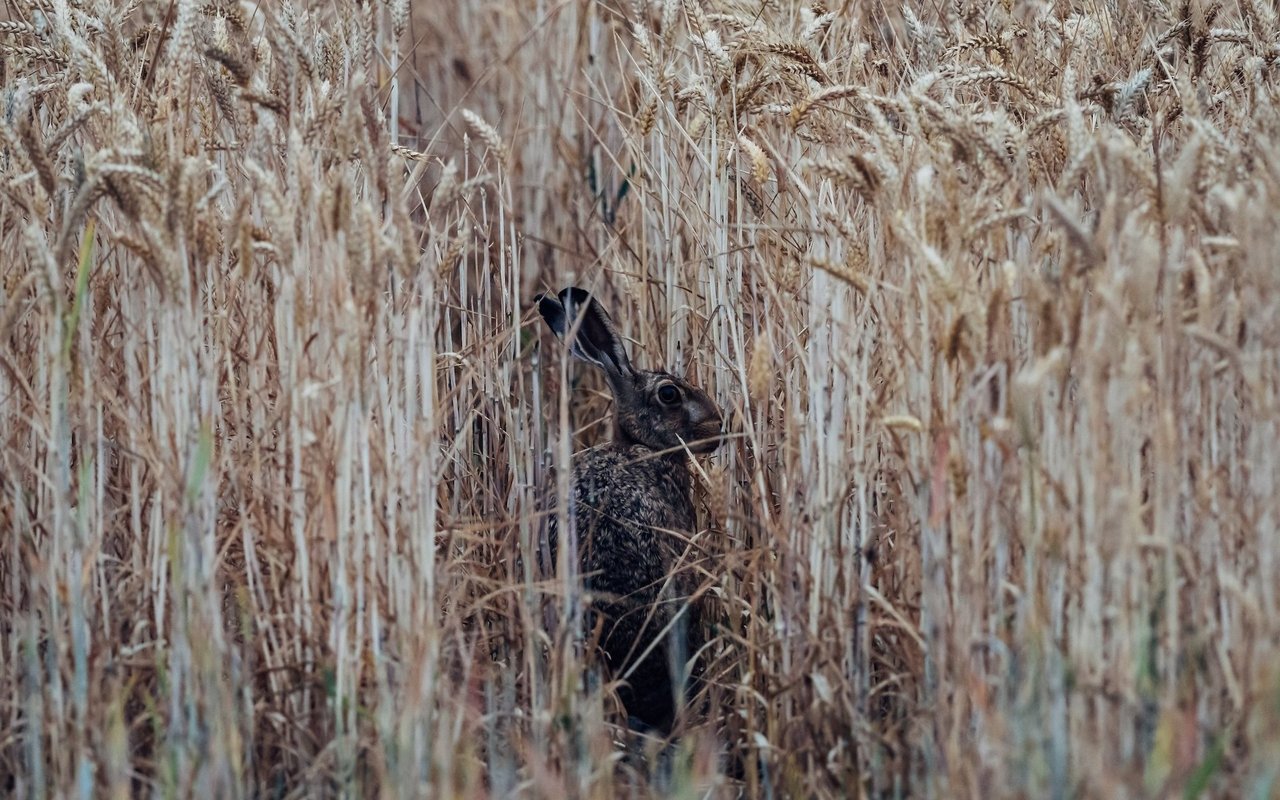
703 414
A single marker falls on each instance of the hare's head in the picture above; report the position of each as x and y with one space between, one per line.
654 409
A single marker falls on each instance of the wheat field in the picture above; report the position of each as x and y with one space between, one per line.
988 291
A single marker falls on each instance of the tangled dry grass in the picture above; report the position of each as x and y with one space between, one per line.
989 288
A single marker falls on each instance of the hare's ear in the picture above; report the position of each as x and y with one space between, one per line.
578 317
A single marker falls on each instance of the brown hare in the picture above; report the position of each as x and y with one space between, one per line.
631 510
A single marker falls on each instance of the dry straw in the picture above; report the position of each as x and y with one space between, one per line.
987 290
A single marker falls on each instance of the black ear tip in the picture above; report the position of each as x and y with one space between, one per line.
551 311
576 295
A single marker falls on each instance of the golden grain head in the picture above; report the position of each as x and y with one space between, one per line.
987 294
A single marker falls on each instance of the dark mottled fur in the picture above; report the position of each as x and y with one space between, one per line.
633 511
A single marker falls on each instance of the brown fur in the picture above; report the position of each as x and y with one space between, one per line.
632 513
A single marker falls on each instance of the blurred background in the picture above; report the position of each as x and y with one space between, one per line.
988 291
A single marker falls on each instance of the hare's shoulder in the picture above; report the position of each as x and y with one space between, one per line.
633 466
636 484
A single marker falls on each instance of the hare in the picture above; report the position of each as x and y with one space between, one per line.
631 508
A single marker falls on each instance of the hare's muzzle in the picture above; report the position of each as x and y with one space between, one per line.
707 435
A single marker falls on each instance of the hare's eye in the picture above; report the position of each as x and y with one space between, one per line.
668 394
